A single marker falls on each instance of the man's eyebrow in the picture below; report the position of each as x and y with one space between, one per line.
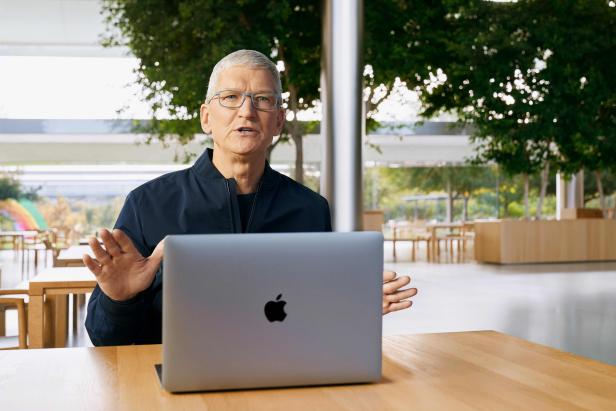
254 92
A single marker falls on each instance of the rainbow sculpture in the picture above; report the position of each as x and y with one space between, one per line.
24 214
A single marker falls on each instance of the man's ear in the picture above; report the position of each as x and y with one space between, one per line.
280 118
205 119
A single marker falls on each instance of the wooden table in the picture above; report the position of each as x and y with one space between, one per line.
46 310
450 371
19 238
72 256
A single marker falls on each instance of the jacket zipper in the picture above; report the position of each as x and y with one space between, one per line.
230 206
253 206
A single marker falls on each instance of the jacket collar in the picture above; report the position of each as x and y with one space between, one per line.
205 169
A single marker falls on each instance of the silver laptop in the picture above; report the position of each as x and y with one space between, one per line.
271 310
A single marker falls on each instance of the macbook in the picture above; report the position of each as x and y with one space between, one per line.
271 310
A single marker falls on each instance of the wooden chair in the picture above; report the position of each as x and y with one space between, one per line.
450 237
459 238
16 298
415 234
46 241
8 240
373 220
468 231
422 235
389 234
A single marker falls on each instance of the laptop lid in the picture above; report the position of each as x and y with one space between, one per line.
267 310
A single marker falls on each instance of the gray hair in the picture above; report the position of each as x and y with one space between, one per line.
249 58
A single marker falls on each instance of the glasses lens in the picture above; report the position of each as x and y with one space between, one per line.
264 101
235 99
231 99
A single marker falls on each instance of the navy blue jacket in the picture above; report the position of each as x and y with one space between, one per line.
197 200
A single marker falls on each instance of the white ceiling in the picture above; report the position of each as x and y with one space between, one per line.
53 28
73 28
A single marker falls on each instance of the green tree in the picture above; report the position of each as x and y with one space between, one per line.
10 187
534 77
179 42
582 88
456 181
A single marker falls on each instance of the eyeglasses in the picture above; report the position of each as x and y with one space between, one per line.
260 101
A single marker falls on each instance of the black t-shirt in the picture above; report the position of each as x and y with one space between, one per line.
245 202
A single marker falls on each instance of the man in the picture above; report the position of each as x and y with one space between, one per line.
229 189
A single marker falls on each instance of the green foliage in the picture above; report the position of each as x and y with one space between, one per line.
464 180
474 186
491 194
10 187
534 77
179 42
6 223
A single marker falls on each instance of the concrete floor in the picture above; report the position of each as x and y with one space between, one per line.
571 307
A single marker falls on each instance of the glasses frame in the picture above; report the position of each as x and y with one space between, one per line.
252 101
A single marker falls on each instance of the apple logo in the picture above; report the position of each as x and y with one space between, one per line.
274 310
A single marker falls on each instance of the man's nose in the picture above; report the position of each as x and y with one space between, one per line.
247 109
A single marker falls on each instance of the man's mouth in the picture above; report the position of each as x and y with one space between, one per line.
246 130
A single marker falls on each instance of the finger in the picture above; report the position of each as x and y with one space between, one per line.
92 265
157 255
401 295
99 252
397 306
388 276
393 286
126 244
111 245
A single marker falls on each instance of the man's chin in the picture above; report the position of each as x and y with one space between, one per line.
243 151
244 148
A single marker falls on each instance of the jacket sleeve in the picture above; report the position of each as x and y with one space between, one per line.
135 321
327 216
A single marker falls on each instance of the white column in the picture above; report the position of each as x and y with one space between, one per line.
569 193
341 88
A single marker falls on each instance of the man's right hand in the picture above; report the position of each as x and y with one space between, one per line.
120 270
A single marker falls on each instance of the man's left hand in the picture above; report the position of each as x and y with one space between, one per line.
395 299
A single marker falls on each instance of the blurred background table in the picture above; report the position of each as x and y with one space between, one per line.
72 256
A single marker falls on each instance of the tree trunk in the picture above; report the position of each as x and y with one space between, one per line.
268 153
545 174
506 205
299 156
526 190
449 201
296 136
465 212
600 190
